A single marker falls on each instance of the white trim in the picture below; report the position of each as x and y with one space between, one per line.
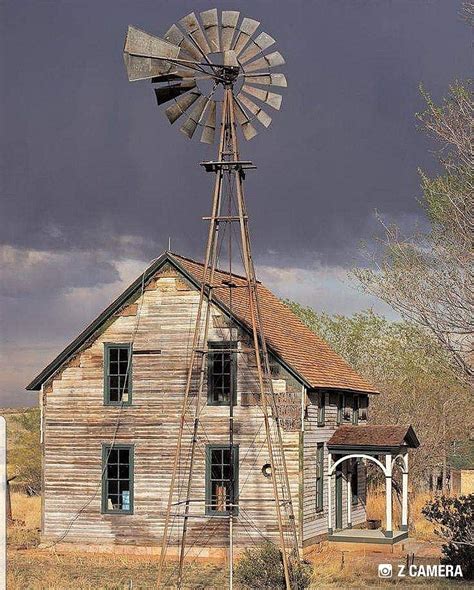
357 456
388 494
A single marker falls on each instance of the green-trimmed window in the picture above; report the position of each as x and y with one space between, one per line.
118 374
321 408
355 481
222 479
222 373
117 479
355 409
340 408
319 477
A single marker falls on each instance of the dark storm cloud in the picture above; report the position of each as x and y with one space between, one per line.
89 154
92 175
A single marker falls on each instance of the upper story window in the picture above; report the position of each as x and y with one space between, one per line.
222 373
222 479
321 408
117 479
117 374
355 409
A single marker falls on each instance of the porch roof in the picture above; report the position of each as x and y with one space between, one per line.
372 438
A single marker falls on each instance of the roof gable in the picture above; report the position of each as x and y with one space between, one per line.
309 358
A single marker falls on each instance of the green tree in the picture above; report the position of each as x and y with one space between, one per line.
428 277
413 372
24 452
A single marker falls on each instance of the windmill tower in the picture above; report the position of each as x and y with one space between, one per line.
216 74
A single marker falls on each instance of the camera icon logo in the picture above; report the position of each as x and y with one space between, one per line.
385 570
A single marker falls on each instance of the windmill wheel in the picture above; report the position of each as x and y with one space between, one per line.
198 58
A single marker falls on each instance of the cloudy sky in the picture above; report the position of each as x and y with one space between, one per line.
94 179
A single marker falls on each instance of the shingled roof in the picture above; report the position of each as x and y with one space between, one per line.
373 436
307 355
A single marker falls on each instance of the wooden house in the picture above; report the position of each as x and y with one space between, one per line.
109 440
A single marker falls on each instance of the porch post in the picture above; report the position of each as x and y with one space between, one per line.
330 527
349 498
404 525
388 495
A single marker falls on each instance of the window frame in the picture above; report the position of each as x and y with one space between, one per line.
219 344
106 448
208 481
319 483
108 346
321 408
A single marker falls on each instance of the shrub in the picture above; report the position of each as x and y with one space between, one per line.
455 515
262 569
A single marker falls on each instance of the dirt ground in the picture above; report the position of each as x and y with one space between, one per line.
30 568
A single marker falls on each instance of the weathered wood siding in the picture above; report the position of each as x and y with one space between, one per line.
77 423
315 524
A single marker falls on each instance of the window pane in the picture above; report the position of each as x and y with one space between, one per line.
124 456
112 455
113 353
112 471
113 368
113 486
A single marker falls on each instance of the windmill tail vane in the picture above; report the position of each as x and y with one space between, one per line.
219 68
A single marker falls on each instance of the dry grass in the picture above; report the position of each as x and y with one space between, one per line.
26 512
32 569
419 527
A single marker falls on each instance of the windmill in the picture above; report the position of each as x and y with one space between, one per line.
217 74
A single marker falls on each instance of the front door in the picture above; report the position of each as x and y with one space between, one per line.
339 479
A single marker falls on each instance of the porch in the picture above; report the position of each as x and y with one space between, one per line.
367 536
385 446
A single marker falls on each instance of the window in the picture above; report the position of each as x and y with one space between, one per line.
222 478
117 479
340 409
321 409
319 476
354 481
117 374
222 373
355 409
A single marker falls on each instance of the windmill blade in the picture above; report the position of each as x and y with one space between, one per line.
189 126
271 98
176 75
259 113
137 42
248 129
256 46
182 104
247 28
188 49
272 60
230 19
267 79
143 68
167 93
209 131
191 25
211 28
